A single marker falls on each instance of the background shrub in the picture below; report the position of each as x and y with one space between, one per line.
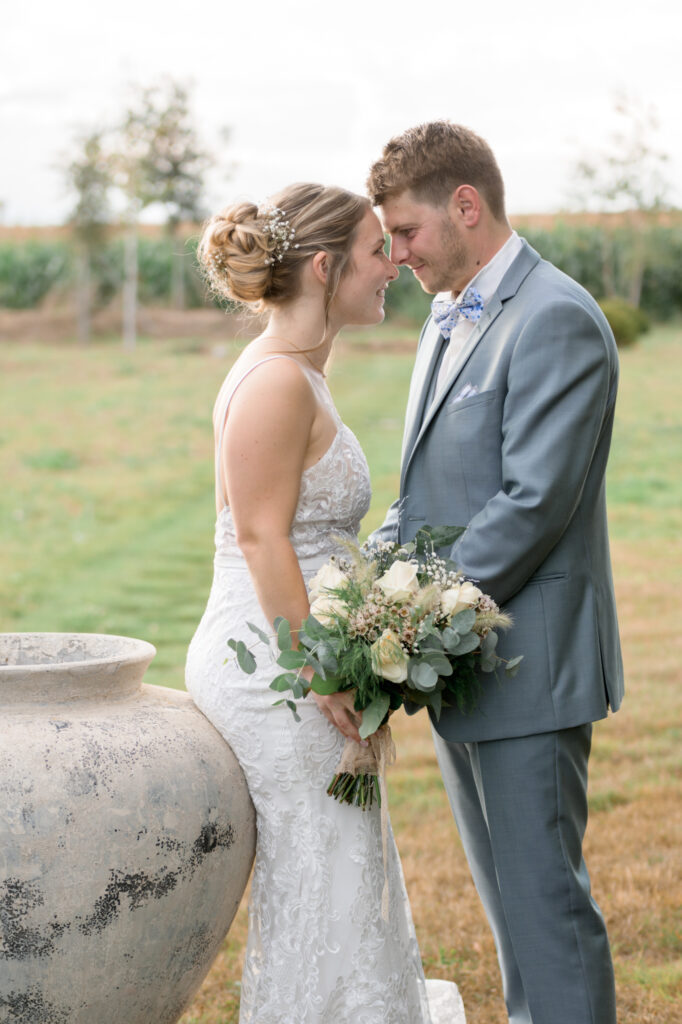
627 321
30 270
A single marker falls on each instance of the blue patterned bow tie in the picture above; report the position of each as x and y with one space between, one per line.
447 312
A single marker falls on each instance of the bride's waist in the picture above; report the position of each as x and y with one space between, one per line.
235 561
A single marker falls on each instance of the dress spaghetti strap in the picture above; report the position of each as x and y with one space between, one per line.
220 485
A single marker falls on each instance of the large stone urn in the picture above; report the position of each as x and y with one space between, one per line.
126 835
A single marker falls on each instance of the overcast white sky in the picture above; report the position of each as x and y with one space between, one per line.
312 90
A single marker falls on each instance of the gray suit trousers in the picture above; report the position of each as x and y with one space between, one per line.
521 810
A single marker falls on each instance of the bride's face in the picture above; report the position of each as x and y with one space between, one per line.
360 295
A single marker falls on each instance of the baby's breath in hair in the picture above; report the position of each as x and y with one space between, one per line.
278 228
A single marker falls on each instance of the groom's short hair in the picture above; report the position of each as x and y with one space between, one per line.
434 159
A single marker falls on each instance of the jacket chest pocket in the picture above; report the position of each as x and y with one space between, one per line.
473 421
463 405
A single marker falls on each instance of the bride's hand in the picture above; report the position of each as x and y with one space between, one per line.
338 708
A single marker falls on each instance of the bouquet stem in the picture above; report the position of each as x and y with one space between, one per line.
361 790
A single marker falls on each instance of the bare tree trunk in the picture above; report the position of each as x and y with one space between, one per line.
83 294
130 289
177 274
637 262
607 264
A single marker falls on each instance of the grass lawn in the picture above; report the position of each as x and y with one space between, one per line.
107 526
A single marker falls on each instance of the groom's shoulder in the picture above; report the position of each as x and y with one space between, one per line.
547 285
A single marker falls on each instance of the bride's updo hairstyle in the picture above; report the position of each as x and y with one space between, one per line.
254 255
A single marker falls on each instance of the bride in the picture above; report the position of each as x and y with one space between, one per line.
291 484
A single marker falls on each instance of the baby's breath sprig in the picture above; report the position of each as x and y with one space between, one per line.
279 229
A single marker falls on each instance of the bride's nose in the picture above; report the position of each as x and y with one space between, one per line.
393 271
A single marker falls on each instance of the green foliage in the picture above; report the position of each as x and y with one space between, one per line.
577 249
627 321
600 259
31 270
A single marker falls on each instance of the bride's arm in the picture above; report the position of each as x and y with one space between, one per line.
264 447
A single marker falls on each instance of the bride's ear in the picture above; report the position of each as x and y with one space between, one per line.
320 266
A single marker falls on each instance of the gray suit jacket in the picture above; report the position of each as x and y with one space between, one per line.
521 464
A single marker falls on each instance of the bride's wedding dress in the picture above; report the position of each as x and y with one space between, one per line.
319 951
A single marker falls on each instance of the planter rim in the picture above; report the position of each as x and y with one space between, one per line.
116 665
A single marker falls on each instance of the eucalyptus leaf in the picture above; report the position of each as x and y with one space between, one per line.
450 638
283 633
436 704
463 621
467 643
422 676
247 662
292 659
374 714
315 665
438 662
488 644
326 657
512 667
259 632
431 642
292 707
283 682
314 628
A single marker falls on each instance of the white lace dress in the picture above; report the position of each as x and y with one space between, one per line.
319 951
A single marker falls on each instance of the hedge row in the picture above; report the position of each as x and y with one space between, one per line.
601 260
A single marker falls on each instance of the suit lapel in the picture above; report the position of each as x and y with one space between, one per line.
418 418
427 358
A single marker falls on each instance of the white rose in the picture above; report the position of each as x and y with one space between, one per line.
328 577
388 658
400 583
457 598
327 609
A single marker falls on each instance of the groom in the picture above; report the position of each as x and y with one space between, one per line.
508 429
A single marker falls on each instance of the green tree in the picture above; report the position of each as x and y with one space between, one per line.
88 175
157 159
174 169
627 179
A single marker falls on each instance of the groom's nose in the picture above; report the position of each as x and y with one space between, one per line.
399 251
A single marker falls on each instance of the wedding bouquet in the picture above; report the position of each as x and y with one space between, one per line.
396 624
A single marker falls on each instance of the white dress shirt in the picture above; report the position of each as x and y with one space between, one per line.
486 282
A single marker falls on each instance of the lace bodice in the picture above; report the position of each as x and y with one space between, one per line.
335 492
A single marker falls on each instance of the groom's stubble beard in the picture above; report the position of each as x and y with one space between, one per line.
449 263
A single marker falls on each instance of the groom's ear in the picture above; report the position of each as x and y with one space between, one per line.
320 266
464 206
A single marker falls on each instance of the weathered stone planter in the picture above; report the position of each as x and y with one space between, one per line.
126 835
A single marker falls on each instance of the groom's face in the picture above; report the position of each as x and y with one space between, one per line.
425 239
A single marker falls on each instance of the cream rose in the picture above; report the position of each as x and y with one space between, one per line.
328 577
327 609
388 658
400 583
457 598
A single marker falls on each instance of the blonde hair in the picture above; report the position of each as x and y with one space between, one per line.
241 257
434 159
